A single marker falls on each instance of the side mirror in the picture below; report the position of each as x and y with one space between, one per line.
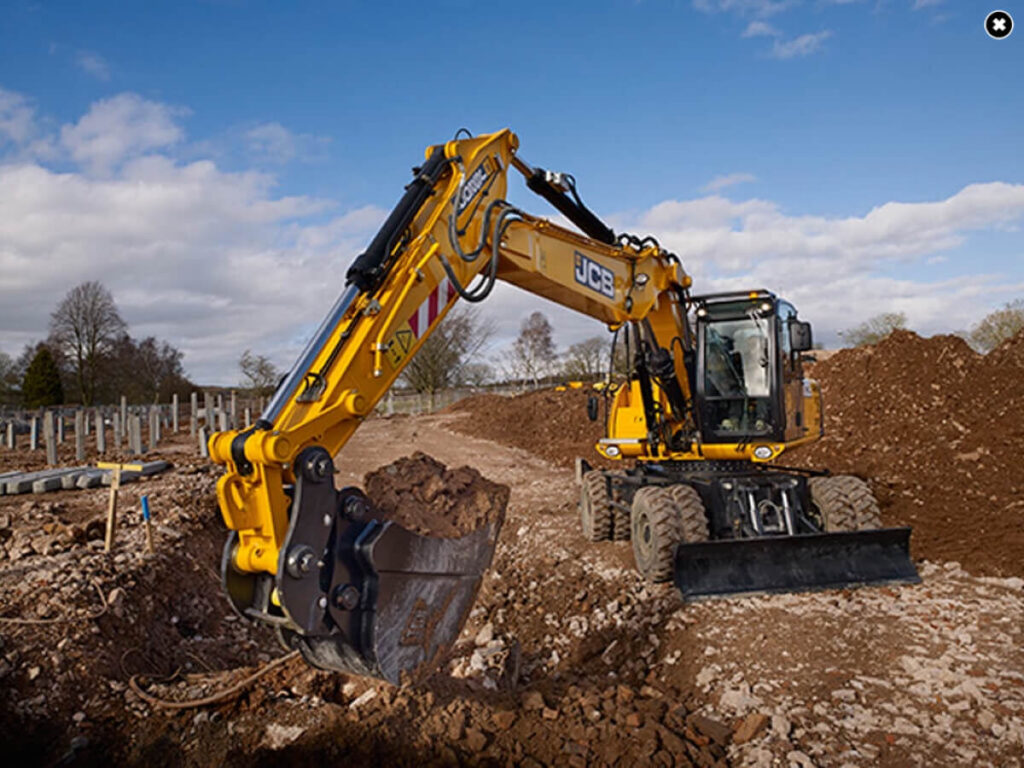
592 408
799 336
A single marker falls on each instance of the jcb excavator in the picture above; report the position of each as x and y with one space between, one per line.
714 396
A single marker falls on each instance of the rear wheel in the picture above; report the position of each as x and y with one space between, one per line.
621 530
662 517
595 511
846 503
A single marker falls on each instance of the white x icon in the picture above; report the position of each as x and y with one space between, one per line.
999 24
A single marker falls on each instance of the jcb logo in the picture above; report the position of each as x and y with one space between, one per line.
473 185
594 276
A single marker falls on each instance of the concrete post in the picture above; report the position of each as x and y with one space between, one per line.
79 436
208 411
10 435
154 428
101 433
223 417
248 417
85 421
50 438
33 434
204 451
135 434
116 424
60 427
194 415
174 413
124 412
233 421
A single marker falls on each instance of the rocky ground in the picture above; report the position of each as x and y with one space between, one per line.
568 658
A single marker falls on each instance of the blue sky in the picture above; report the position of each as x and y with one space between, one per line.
817 112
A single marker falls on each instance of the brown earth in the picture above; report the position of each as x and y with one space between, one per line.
569 657
937 430
419 493
549 424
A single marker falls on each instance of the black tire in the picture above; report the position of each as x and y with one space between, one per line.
693 518
846 503
595 511
656 530
621 526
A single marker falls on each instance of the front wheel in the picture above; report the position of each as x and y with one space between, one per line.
845 502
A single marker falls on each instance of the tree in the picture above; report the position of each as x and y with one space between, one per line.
587 359
445 356
145 371
477 375
874 330
260 374
10 380
41 385
85 326
996 327
534 350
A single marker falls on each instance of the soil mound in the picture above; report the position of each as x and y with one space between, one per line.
421 494
937 429
552 425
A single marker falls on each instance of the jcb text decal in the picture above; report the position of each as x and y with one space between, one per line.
594 276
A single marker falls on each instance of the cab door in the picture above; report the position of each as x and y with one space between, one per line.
791 376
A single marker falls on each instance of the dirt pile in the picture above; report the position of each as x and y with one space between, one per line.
552 425
421 494
937 429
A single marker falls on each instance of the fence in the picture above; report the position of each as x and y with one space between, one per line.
121 428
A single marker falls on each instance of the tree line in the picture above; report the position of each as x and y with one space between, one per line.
89 358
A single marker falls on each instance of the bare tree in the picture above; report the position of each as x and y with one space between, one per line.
996 327
875 329
84 327
448 352
260 374
534 350
587 359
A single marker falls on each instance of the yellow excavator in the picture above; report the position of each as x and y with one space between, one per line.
714 395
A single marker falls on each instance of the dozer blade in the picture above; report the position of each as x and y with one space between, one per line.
799 563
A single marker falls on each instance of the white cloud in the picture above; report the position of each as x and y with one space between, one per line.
760 29
804 45
119 128
272 142
919 4
728 180
93 64
832 266
17 118
212 261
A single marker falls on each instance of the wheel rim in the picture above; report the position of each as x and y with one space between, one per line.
643 538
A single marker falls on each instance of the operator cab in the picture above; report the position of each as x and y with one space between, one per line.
748 366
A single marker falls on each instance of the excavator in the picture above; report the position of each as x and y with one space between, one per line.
715 394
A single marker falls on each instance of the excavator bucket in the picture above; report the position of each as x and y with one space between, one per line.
408 597
359 594
799 563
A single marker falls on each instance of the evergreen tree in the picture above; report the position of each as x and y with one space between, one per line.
41 385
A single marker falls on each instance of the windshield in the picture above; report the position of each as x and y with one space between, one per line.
737 375
737 358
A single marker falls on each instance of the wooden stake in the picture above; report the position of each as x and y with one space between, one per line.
115 483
